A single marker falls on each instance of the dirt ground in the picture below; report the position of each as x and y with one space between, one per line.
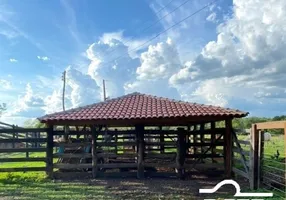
162 188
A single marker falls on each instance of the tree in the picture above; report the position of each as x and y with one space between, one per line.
33 123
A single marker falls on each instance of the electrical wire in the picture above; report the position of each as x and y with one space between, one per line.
156 22
166 30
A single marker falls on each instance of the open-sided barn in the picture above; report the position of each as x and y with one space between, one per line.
143 133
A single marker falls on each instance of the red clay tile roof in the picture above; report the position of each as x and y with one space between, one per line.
141 106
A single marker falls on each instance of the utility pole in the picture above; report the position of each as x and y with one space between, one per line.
64 89
104 93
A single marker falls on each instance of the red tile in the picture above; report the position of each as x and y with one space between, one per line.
139 106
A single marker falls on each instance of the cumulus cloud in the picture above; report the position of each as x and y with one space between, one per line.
249 50
13 60
103 64
5 85
43 58
81 90
84 90
27 105
159 61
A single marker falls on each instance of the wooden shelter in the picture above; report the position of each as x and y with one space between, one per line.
143 133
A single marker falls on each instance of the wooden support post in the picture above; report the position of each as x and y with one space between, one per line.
78 134
140 151
253 168
202 136
228 148
181 153
116 140
195 140
213 138
93 151
260 154
49 153
162 139
39 136
188 139
27 145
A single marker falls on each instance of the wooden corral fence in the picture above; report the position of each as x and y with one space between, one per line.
17 135
269 171
143 150
242 155
15 153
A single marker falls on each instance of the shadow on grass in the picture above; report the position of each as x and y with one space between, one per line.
110 188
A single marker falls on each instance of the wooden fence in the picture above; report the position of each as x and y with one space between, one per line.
271 169
32 144
138 150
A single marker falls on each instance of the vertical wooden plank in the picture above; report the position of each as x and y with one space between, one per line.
228 148
13 144
49 153
181 153
78 134
260 157
253 168
162 139
116 140
213 138
195 140
27 145
188 139
202 136
140 150
93 151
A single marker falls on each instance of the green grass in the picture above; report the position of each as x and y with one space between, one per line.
37 187
34 185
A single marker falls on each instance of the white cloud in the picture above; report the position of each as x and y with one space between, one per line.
159 61
53 103
9 34
211 17
28 105
81 90
13 60
103 64
84 90
249 50
6 85
43 58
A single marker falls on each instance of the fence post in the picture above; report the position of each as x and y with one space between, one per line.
140 151
94 151
213 138
27 145
228 148
260 159
14 136
253 168
181 153
49 154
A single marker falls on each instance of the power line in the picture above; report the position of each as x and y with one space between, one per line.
164 7
164 31
156 22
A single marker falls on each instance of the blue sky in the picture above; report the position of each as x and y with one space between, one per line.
230 54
